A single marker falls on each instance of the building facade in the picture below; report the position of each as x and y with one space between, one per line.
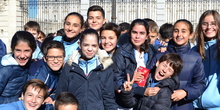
51 13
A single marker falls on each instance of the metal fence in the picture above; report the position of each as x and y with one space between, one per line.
128 10
189 9
50 14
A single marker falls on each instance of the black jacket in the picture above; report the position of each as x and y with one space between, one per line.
192 76
160 101
125 63
95 91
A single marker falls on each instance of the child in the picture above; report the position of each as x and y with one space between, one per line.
66 101
208 35
88 75
124 27
33 94
154 35
14 67
41 38
49 68
166 32
164 77
153 30
73 24
109 37
192 76
96 17
137 52
34 28
124 37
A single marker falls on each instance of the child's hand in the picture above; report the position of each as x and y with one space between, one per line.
138 76
162 49
163 43
128 84
178 95
48 100
151 91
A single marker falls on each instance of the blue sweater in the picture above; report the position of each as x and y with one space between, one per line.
210 98
69 46
18 105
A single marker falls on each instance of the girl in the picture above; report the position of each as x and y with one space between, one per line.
109 37
192 77
72 27
88 76
14 67
138 52
208 35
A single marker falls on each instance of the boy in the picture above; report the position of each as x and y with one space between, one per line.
33 95
166 32
66 101
34 28
154 36
165 77
96 17
49 68
153 29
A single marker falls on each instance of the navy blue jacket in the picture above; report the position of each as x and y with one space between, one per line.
40 70
12 79
2 48
95 91
192 76
125 63
160 101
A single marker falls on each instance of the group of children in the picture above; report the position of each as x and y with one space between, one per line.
92 65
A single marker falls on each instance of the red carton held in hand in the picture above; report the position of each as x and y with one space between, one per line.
146 72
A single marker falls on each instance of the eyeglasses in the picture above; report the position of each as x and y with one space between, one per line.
52 58
206 24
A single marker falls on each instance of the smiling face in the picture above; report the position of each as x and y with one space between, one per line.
22 53
181 33
95 20
89 46
72 26
163 71
138 36
209 27
109 41
33 98
54 58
